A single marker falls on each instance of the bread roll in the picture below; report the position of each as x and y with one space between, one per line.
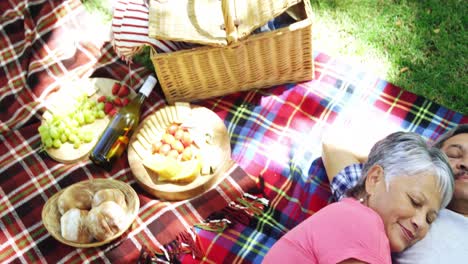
114 195
75 196
73 226
106 220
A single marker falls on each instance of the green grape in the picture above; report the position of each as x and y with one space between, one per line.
73 138
79 117
81 135
63 138
75 131
54 132
74 123
42 128
69 121
56 143
44 133
66 127
45 138
94 113
88 136
60 130
48 142
89 116
85 106
92 103
82 98
62 125
100 114
67 131
58 118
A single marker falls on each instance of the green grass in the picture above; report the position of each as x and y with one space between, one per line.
418 45
101 8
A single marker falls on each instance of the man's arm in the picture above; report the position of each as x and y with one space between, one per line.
342 147
335 158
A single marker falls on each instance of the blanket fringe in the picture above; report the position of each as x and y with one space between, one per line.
187 242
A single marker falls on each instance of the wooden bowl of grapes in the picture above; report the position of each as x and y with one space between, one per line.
77 114
179 151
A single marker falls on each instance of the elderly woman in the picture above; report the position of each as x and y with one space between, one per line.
446 240
403 186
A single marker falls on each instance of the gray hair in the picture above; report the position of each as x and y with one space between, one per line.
407 154
460 129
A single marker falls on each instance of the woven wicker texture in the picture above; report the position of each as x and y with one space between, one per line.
260 60
51 215
211 22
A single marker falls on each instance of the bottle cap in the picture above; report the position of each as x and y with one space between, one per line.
148 85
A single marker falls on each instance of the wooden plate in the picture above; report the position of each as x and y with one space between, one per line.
140 146
95 87
51 215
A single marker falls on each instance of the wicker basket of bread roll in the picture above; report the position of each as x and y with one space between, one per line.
91 213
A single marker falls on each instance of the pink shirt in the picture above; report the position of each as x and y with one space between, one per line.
340 231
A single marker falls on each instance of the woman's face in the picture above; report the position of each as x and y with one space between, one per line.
407 209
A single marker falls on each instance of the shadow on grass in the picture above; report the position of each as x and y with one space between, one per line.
421 43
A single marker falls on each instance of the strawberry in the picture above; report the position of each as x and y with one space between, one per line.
108 107
113 112
117 101
125 101
115 88
124 91
102 99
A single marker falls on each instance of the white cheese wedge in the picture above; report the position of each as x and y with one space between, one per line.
184 111
149 132
166 116
160 119
174 115
156 123
143 141
153 128
140 150
168 111
144 134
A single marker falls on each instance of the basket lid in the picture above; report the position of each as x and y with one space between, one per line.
211 22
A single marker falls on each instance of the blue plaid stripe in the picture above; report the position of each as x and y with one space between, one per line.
345 180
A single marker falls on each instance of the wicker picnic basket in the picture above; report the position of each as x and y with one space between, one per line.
231 58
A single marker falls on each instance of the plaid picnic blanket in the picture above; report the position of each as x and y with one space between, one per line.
275 137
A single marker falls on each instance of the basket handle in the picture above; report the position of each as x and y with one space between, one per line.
228 8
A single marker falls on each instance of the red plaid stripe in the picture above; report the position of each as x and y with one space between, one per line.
35 57
275 133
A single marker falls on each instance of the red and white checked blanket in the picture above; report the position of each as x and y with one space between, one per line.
275 137
43 44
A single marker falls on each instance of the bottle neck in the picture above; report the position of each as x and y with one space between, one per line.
139 98
136 103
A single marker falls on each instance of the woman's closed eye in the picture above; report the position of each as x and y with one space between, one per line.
414 202
430 218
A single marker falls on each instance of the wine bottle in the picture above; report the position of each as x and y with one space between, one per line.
114 139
